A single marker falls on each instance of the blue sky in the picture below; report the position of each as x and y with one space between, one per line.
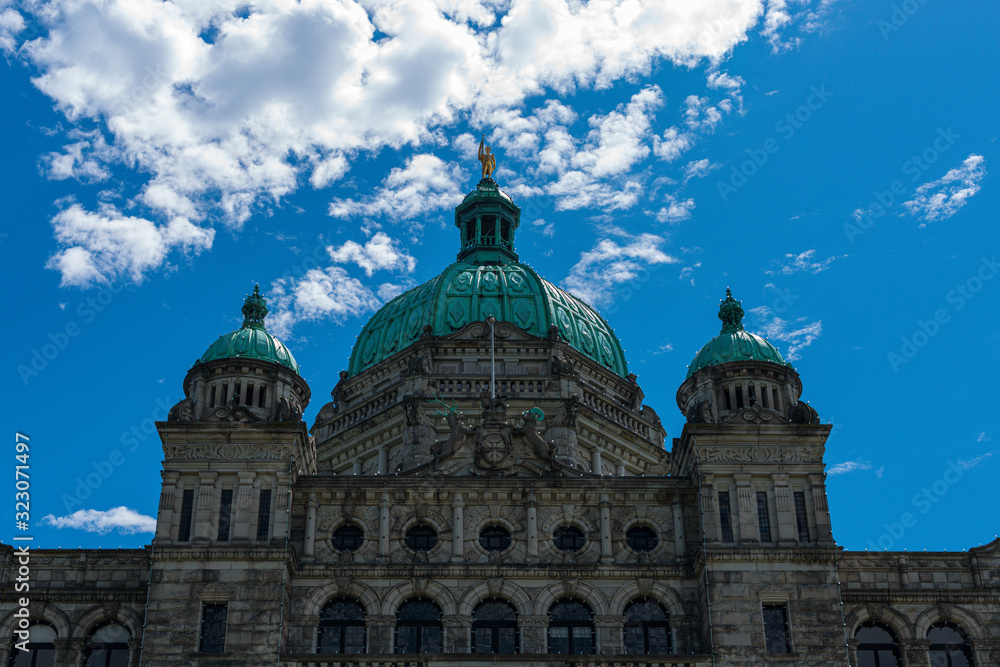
830 161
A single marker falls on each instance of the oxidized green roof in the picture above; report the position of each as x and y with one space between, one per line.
251 341
466 293
734 343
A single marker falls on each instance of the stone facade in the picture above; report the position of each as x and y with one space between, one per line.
728 534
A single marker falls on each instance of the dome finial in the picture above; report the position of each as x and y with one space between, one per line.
254 310
487 159
731 313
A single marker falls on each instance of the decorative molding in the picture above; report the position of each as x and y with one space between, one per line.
758 454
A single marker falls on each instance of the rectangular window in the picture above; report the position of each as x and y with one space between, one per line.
236 393
213 628
729 401
264 515
261 395
249 397
776 636
739 396
225 393
763 520
725 517
211 396
800 516
187 512
763 396
225 509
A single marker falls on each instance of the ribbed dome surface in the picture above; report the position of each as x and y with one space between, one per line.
466 293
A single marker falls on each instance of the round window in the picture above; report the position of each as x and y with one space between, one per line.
348 538
421 538
641 538
494 538
568 538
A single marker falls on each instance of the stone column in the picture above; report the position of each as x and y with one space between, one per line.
455 633
379 631
204 520
533 633
5 648
824 533
69 651
787 528
383 525
680 547
852 652
457 529
595 461
708 508
383 461
241 513
279 495
746 509
532 529
133 652
165 514
605 529
916 652
610 634
620 469
310 546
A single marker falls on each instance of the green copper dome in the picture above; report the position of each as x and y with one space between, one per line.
734 343
251 341
487 280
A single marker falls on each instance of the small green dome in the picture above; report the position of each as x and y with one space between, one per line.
734 343
251 341
466 293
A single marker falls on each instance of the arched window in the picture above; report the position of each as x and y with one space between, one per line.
341 627
571 627
494 628
41 648
647 628
949 646
418 627
877 646
108 647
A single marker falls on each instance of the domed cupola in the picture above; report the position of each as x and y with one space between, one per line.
487 281
245 375
740 376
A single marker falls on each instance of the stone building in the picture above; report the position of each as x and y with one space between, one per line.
488 480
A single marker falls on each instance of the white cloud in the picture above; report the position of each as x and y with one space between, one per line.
380 253
699 169
983 437
972 463
700 115
389 291
11 23
321 294
675 210
673 144
83 160
941 199
608 264
804 261
426 183
848 466
121 519
798 334
97 247
687 273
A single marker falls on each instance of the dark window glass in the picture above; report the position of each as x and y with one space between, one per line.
800 516
348 538
421 538
225 509
211 396
341 627
236 392
776 637
751 394
418 627
763 520
249 396
187 510
729 400
488 230
739 396
877 646
213 628
494 628
264 515
763 397
262 396
949 646
41 648
725 517
647 628
641 538
494 538
108 647
568 538
225 393
571 628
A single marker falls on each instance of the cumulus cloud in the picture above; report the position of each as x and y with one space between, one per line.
380 253
849 466
601 269
120 519
96 247
941 199
224 113
675 210
798 333
804 261
699 168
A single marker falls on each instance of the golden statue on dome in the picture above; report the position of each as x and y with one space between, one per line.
487 159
